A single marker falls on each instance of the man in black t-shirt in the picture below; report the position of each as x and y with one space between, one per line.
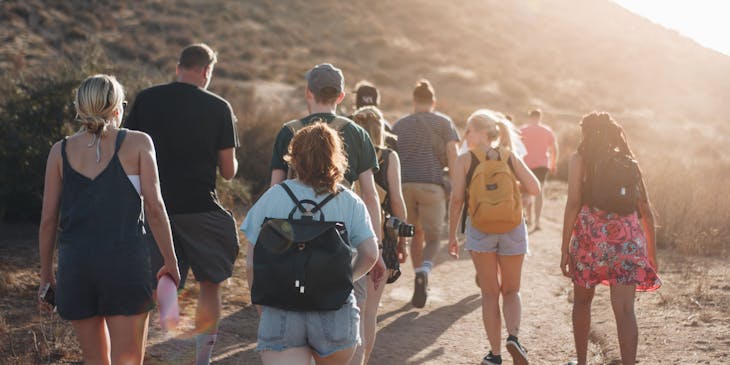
194 132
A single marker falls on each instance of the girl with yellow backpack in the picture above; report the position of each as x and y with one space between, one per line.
489 179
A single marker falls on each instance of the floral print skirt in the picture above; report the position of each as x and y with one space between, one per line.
607 248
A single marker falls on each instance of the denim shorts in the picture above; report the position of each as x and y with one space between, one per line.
511 243
325 332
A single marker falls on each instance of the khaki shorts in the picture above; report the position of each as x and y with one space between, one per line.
426 206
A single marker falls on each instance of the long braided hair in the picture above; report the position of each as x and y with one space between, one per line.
602 136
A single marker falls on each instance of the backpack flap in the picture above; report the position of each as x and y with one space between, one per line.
302 264
276 234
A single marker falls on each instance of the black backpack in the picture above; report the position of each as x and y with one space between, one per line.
390 237
381 178
614 184
302 264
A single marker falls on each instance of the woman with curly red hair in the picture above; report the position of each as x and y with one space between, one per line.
329 336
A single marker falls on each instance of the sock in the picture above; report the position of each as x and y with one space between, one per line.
204 348
426 266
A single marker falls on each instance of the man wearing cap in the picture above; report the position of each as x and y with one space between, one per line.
325 90
194 132
367 94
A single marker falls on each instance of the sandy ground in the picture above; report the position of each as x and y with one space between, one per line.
687 321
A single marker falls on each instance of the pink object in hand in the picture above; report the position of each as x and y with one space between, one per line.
167 300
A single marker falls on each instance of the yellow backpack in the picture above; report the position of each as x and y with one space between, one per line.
494 203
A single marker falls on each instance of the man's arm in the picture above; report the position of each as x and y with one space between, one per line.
281 147
553 156
277 176
452 151
227 163
372 201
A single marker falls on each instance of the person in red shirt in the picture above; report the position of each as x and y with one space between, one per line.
541 158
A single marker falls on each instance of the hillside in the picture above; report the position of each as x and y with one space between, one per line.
565 56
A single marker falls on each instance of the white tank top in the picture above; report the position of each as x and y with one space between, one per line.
134 179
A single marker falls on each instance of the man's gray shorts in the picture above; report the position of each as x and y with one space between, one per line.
205 242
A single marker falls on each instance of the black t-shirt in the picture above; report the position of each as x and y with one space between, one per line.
188 126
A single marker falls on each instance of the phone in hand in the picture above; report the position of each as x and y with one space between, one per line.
48 295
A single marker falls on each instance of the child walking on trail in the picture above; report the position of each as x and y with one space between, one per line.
608 231
496 240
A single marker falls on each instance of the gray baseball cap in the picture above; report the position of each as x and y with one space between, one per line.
325 75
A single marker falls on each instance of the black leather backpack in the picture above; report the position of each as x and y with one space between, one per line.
302 264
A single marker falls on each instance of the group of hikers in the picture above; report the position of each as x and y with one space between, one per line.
128 204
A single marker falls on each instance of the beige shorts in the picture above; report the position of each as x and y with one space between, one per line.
426 206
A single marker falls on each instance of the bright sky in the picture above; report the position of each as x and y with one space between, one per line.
705 21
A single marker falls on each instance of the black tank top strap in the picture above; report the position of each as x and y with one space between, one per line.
120 138
63 150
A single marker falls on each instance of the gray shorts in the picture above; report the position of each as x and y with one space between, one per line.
325 332
205 242
513 242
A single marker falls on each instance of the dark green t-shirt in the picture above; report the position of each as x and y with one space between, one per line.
358 146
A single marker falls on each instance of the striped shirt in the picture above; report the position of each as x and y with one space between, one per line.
419 163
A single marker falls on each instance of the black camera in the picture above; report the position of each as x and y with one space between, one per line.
402 228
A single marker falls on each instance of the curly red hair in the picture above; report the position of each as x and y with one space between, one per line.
317 157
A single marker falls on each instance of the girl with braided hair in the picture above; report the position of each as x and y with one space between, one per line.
605 241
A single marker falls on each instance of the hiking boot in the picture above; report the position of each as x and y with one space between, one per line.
519 353
492 359
419 292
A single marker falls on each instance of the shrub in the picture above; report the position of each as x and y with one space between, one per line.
693 205
259 123
32 118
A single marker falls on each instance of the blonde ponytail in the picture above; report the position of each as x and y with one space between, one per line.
505 137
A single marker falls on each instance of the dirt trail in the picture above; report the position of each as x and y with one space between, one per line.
449 329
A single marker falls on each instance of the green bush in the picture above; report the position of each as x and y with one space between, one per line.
259 123
35 113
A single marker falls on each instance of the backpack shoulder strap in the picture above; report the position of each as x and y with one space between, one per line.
381 177
339 123
294 125
475 161
326 200
300 206
293 198
506 155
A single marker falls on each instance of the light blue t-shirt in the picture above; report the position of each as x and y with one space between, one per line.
346 207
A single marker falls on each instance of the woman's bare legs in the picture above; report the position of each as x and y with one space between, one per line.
582 299
94 340
337 358
486 266
622 301
292 356
511 273
128 335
